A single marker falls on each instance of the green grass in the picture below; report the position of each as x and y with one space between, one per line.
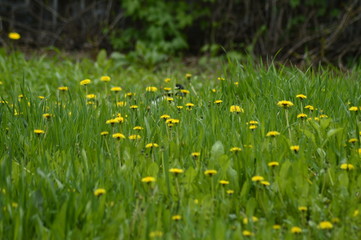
47 182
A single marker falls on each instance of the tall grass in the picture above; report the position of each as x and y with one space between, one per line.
48 180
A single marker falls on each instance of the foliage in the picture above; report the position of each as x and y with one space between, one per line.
72 182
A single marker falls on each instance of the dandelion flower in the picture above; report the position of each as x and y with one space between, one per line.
167 80
189 105
188 75
100 191
285 104
14 36
176 171
148 179
169 99
223 182
121 104
273 164
167 89
213 90
257 178
47 115
134 137
164 116
301 96
151 89
309 107
347 166
104 133
218 102
151 145
276 227
253 122
179 108
63 88
39 131
118 136
353 140
129 94
176 217
353 109
236 109
210 172
302 208
195 155
235 149
155 234
325 225
230 192
85 82
116 89
265 183
105 79
220 79
295 148
296 230
302 116
134 107
91 96
252 127
253 219
272 134
247 233
138 128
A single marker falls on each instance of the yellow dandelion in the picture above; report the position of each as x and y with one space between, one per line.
195 155
118 136
236 109
272 134
265 183
230 192
285 104
85 82
129 94
252 127
188 75
353 109
189 105
325 225
247 233
63 88
176 217
353 140
223 182
176 171
100 191
323 116
39 131
91 96
148 179
138 128
47 115
14 36
164 116
167 89
257 178
169 99
296 230
151 145
134 107
302 116
155 234
273 164
167 80
252 219
295 148
301 96
104 133
116 89
179 108
121 104
235 149
309 107
40 97
220 79
213 90
184 91
347 166
151 89
302 208
276 227
105 79
134 137
210 172
218 102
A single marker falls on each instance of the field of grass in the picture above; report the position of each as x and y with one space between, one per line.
86 162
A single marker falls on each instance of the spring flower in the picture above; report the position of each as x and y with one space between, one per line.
134 137
63 88
155 234
129 94
218 102
176 171
189 105
353 109
302 208
121 104
118 136
85 82
105 79
167 89
295 148
252 127
148 179
247 233
223 182
151 145
220 79
257 178
104 133
309 107
47 115
272 134
325 225
176 217
276 227
273 164
151 89
253 122
40 97
164 116
236 83
285 104
14 36
90 96
169 99
172 120
167 80
301 96
134 107
100 191
236 109
138 128
195 155
323 116
347 166
179 108
265 183
210 172
188 75
235 149
253 219
356 213
296 230
213 90
230 192
39 131
116 89
302 116
353 140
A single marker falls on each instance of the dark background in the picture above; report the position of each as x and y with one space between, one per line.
289 30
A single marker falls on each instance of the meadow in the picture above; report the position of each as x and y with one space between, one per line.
96 150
